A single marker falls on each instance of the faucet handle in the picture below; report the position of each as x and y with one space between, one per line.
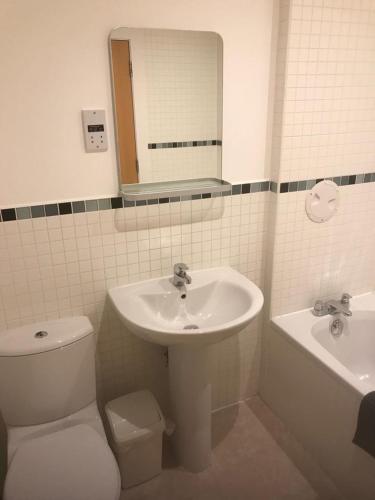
345 299
180 269
320 308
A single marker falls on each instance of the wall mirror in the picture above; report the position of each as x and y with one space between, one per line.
167 95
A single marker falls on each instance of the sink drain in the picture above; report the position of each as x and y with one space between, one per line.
191 327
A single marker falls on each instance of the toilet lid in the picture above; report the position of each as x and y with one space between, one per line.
75 464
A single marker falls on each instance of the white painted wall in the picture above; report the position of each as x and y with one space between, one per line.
54 62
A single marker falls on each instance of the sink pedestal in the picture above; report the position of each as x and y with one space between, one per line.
190 394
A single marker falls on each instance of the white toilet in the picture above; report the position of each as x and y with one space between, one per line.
57 448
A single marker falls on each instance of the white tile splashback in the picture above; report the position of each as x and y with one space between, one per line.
324 126
312 261
57 266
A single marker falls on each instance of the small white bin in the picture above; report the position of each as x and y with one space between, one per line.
137 425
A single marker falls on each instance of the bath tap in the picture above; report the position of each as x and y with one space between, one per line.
333 306
180 277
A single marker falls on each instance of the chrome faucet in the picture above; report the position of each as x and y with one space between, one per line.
333 306
180 277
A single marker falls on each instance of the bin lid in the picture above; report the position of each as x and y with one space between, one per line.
134 416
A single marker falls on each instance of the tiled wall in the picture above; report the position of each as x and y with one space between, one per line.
324 127
329 114
312 261
63 264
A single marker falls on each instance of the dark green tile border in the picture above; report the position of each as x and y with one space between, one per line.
343 180
81 206
184 144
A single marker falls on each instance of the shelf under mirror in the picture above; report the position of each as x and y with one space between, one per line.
189 187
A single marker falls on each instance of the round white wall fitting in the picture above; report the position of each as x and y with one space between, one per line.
322 201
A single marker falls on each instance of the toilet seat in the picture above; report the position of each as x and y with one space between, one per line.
75 463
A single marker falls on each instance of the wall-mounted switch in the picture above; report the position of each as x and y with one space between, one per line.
94 130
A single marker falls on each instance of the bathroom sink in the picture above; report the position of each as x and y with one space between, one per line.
209 306
218 303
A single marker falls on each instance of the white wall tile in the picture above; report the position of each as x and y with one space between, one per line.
70 271
324 126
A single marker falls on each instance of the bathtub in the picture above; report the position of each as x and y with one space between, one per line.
315 383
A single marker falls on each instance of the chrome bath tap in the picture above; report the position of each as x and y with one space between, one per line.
333 307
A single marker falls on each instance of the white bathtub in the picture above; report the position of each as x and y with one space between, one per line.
315 383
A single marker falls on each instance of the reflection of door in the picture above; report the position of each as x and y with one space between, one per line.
122 78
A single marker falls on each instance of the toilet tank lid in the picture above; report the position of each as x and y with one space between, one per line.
44 336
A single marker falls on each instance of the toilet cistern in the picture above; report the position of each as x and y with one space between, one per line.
48 403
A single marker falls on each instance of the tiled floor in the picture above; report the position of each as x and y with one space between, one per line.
254 458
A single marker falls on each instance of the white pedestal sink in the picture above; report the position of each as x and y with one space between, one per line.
218 303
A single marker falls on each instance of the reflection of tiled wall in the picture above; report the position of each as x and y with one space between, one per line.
62 265
324 127
182 82
180 89
182 163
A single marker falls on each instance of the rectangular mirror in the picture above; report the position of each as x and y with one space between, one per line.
167 95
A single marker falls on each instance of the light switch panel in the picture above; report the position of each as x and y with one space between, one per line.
94 130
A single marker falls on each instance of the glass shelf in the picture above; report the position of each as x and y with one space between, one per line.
152 190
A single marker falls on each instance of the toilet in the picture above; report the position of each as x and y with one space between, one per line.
57 447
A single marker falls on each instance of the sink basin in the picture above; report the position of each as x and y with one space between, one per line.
218 303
